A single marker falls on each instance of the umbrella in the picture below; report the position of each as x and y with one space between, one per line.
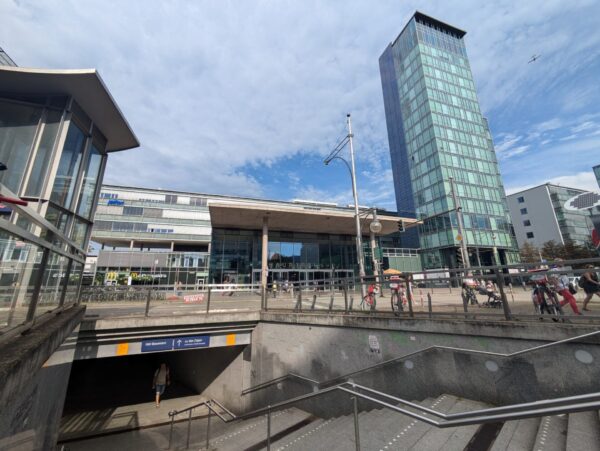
392 272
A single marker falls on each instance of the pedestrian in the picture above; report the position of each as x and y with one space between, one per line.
162 378
590 285
561 285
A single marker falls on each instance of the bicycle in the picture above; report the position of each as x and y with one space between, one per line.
369 302
545 299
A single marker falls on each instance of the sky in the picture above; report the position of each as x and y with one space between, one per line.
247 97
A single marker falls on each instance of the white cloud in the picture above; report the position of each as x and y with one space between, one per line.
582 180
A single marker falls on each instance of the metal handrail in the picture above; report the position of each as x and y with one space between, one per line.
339 379
568 404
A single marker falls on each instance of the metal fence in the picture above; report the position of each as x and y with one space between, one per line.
527 292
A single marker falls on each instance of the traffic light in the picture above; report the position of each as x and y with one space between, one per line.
459 259
401 226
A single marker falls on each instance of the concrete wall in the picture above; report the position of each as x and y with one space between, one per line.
323 352
34 370
219 373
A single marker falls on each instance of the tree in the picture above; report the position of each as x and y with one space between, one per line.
551 250
529 253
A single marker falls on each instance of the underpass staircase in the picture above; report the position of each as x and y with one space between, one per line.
382 429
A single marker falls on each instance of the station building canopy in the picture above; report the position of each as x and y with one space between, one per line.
88 90
300 218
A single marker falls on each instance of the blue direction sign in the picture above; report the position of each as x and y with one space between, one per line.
197 341
157 344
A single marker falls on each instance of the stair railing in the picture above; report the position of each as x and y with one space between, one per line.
345 377
568 404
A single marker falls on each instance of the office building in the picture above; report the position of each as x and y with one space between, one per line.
436 131
539 215
191 239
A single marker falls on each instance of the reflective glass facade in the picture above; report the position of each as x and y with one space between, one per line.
55 158
292 256
436 131
597 173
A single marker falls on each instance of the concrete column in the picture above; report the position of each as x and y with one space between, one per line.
265 252
172 246
131 243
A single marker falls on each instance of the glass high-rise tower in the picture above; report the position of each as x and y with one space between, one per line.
436 131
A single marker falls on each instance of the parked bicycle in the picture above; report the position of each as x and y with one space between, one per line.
545 299
369 302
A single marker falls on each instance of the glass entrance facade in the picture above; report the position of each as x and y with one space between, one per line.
236 256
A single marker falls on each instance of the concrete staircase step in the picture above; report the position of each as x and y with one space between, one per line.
517 435
290 440
583 432
402 432
244 435
450 439
552 434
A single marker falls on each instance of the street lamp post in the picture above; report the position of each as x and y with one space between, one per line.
351 168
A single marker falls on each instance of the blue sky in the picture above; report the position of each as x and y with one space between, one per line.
247 97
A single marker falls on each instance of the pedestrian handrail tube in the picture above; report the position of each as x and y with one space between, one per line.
339 379
568 404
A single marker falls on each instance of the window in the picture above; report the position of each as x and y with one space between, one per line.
90 177
18 124
529 234
133 211
520 200
523 211
68 167
527 223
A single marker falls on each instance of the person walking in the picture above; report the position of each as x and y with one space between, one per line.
162 378
561 285
590 285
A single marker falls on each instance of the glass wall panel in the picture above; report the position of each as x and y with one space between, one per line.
70 161
44 153
90 176
73 284
19 270
18 124
52 284
79 232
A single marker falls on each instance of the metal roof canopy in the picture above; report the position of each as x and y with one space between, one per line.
304 218
88 90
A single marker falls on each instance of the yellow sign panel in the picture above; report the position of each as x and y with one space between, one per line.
122 349
230 340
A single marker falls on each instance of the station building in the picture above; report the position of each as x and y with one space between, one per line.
190 239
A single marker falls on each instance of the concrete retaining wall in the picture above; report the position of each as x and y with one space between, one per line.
34 370
326 351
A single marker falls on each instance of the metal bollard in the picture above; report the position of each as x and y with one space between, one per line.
299 302
331 303
345 299
148 298
208 300
314 301
429 308
351 302
500 283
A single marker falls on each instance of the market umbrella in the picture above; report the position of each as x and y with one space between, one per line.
392 272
